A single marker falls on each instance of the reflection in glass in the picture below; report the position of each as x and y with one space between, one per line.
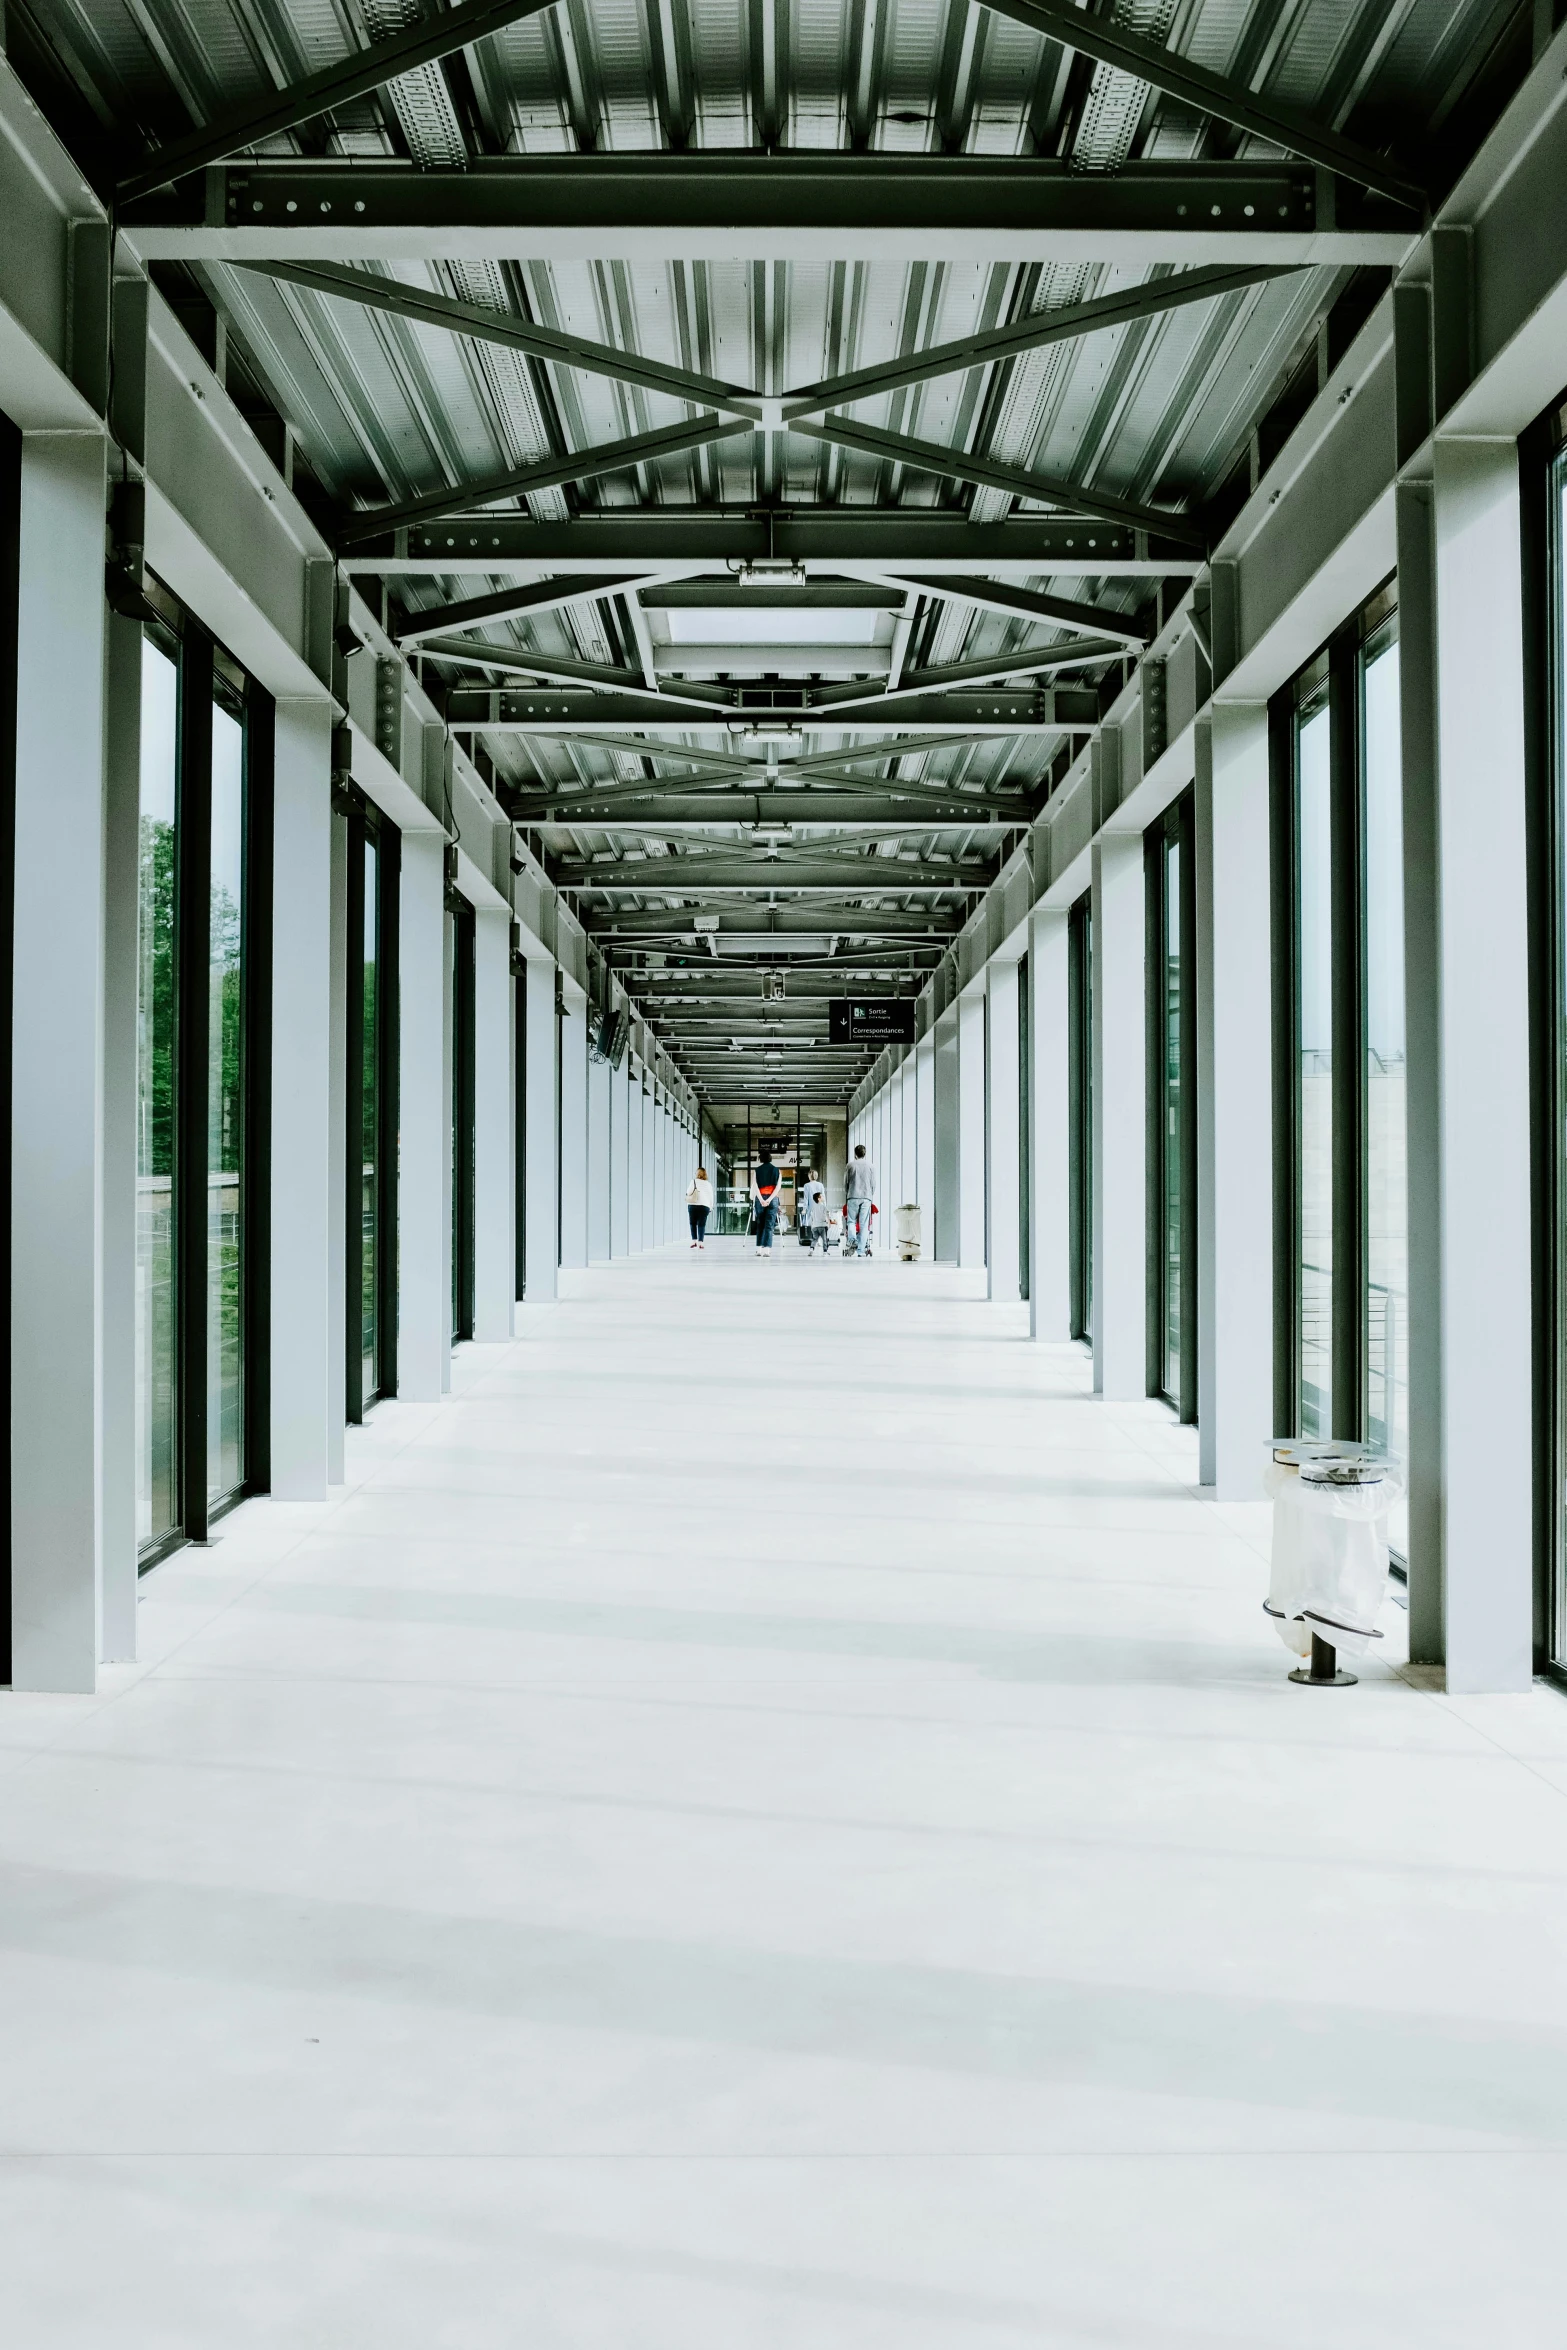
369 1128
157 1449
1314 1064
1387 1199
225 1367
1174 1111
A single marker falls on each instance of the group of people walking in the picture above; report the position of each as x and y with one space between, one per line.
859 1207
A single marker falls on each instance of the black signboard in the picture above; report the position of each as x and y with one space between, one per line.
889 1022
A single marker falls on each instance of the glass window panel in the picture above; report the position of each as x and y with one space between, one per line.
157 1449
225 1125
1387 1191
369 1096
1314 1064
1559 591
1174 1108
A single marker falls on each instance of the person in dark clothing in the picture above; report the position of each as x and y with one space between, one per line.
764 1201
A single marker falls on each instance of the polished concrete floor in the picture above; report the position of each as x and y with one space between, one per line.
771 1821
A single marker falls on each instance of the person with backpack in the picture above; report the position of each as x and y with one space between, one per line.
765 1181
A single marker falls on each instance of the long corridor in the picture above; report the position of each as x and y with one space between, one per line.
772 1821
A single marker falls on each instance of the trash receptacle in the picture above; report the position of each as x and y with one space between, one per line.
906 1230
1329 1571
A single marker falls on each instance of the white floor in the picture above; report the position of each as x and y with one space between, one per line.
772 1822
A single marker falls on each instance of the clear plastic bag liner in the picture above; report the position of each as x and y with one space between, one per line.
1329 1558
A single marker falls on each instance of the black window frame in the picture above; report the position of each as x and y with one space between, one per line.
365 823
1338 666
10 623
1176 827
1542 457
204 668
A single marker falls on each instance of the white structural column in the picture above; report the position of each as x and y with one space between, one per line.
574 1208
599 1082
1483 996
56 1129
540 1220
948 1169
494 1127
1234 1101
424 1230
302 1155
634 1162
1001 1132
1118 1052
651 1235
619 1159
971 1128
925 1138
1049 1128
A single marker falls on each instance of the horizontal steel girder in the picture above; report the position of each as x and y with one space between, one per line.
999 710
648 812
848 873
741 929
884 539
813 207
817 595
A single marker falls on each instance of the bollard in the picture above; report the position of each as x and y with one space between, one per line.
1324 1673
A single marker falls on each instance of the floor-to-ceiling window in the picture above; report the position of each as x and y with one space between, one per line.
1383 1054
1313 1050
462 991
1343 1348
205 800
1080 1110
1172 1123
225 1097
1554 1056
374 866
157 1335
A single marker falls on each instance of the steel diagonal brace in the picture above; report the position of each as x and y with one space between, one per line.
1209 93
1033 332
1018 481
549 473
426 308
422 43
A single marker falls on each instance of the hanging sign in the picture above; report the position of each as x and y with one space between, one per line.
888 1021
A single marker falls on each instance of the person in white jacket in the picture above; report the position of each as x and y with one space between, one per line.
699 1202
